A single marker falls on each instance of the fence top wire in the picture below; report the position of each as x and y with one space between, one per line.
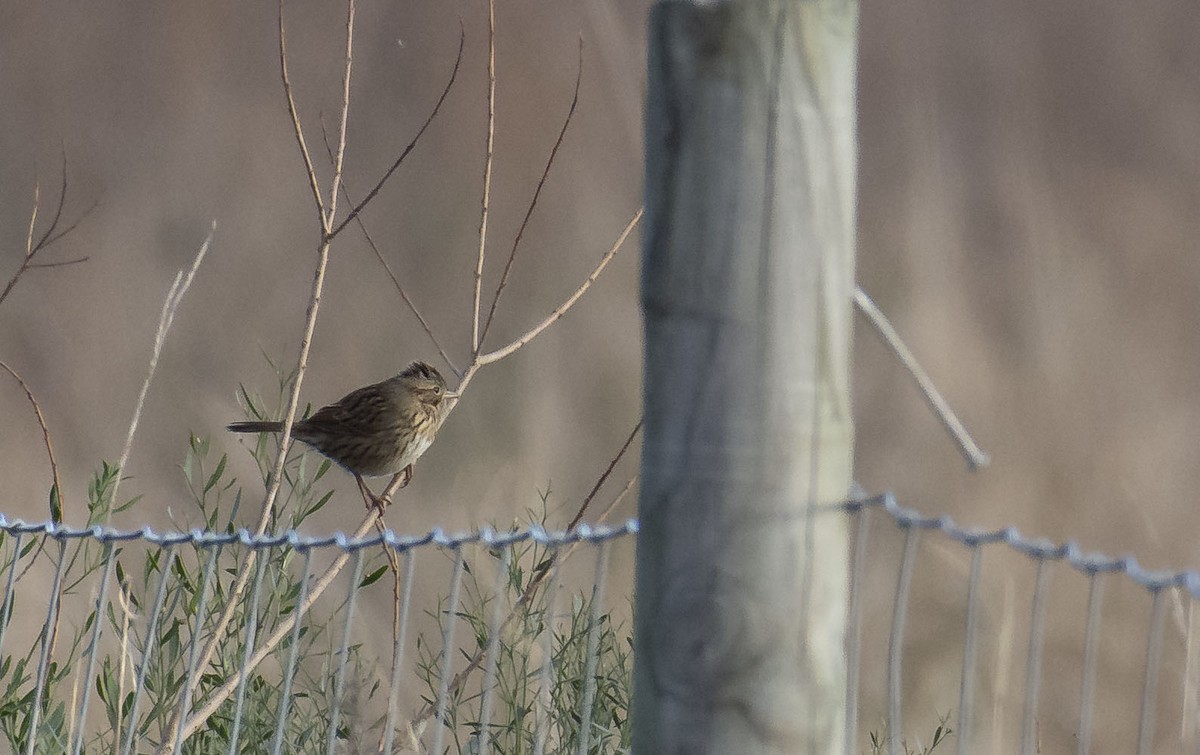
584 533
1036 548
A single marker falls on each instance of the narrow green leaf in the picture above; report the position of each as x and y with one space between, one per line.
373 577
55 505
216 475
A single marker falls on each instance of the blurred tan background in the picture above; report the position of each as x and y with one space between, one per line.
1029 187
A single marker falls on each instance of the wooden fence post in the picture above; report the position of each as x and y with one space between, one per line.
747 290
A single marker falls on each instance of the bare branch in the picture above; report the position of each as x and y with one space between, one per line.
411 145
489 151
339 161
296 127
976 457
512 255
37 410
53 233
562 309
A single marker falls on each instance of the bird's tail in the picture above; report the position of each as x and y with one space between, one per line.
255 427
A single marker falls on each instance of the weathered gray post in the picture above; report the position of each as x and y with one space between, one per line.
747 288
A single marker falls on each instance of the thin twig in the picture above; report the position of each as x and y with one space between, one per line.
512 255
603 516
976 457
37 410
174 296
62 201
489 151
52 234
340 160
462 36
561 310
388 269
397 585
557 558
587 500
64 263
56 491
51 239
404 295
297 130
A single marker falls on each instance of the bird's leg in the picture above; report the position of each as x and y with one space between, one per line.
408 474
369 498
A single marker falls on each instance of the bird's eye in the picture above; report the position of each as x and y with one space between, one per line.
437 389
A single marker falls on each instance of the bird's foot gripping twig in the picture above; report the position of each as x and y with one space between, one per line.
381 502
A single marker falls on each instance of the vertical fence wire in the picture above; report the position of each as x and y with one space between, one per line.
339 684
101 602
1154 641
593 650
289 668
896 640
966 690
49 629
1191 670
7 606
1091 649
185 701
854 629
490 659
447 651
393 711
260 567
166 556
541 726
1033 668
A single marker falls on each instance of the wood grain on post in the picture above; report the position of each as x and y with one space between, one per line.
747 290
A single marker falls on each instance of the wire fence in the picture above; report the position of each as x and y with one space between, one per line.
498 643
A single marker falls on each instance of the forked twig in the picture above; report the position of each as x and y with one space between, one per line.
462 36
487 177
976 457
340 160
297 130
362 226
535 331
52 234
537 192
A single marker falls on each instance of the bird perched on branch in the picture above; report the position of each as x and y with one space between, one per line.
380 429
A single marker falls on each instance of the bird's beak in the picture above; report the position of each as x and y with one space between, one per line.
451 394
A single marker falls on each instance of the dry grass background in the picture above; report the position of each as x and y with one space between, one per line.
1029 187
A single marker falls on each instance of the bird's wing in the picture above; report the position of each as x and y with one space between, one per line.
359 413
